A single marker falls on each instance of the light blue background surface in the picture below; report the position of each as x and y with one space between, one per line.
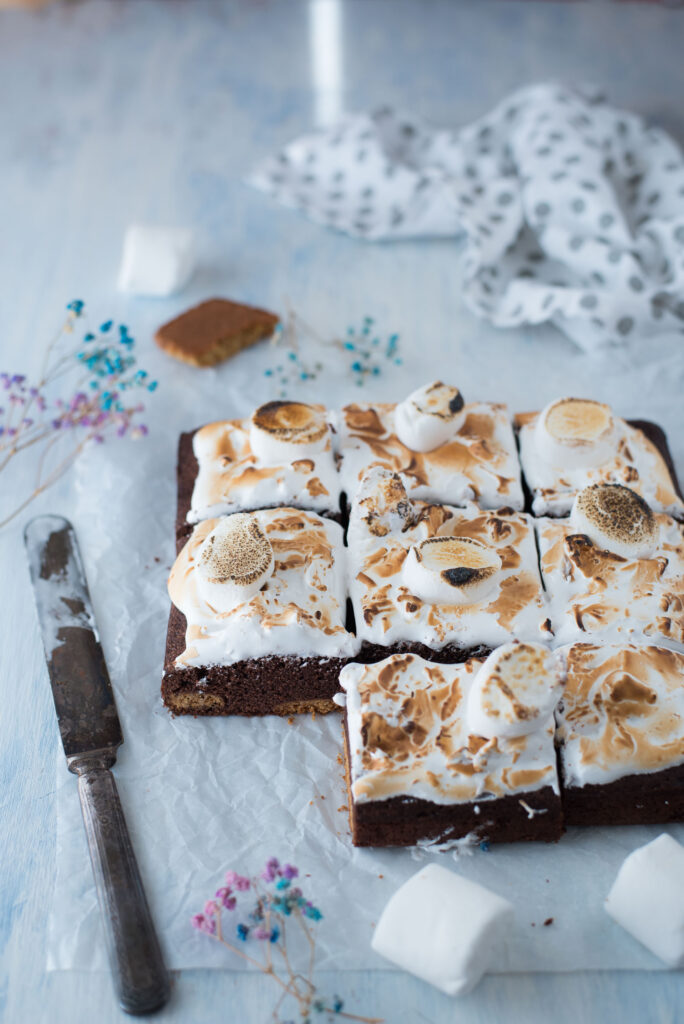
114 111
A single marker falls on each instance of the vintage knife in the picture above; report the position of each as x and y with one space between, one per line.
91 734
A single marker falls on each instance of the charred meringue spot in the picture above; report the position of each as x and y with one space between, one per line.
439 399
575 432
451 570
234 561
515 691
429 417
616 518
589 559
282 429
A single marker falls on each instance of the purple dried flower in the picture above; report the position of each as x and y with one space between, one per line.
226 898
271 871
290 871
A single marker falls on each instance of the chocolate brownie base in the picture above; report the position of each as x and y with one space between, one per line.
271 685
187 470
405 821
650 798
654 433
451 654
186 473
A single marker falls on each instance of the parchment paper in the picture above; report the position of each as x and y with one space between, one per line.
205 795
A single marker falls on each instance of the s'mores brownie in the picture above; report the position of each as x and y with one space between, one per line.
442 448
575 442
614 569
621 735
281 455
258 619
440 581
438 753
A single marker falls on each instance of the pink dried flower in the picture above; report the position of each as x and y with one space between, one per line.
239 882
200 922
210 908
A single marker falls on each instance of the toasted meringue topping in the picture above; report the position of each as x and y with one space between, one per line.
382 502
429 417
622 712
479 463
297 609
234 562
594 591
575 432
287 430
409 735
617 519
515 691
451 570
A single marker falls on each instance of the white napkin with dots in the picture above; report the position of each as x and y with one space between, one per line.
571 211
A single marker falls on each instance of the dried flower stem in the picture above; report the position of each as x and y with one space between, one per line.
268 925
102 369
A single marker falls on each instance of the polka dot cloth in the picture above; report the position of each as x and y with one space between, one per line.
571 211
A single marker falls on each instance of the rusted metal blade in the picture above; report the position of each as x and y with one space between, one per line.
81 688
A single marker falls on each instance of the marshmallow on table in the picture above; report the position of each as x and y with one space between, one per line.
156 261
647 898
443 928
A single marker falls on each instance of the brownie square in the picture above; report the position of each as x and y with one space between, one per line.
281 649
219 473
416 774
637 457
621 735
593 592
385 531
213 331
480 464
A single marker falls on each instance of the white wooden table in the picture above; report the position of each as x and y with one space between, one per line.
114 111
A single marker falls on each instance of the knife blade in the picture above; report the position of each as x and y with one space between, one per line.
91 734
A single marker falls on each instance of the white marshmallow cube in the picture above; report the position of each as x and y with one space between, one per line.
647 898
156 261
443 928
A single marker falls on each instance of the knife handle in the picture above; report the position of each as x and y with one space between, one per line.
140 977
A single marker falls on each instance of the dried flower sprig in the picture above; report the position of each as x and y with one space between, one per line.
277 903
367 351
33 416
